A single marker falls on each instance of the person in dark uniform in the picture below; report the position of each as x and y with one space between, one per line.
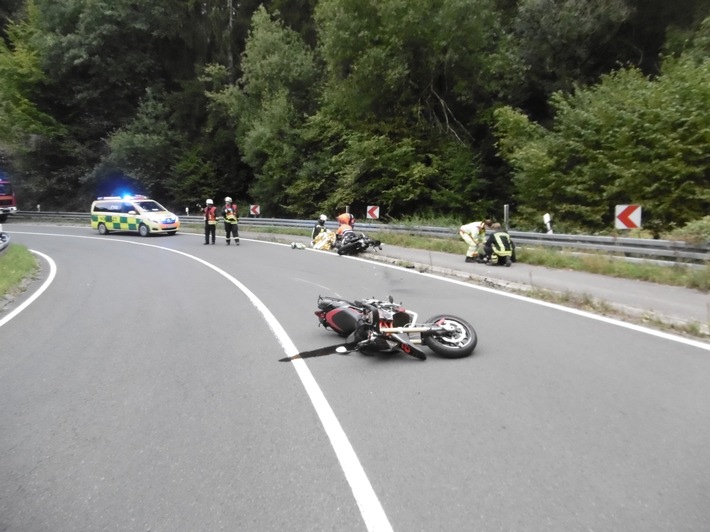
231 220
500 244
210 222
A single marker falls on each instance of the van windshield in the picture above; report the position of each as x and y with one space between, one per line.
5 189
150 206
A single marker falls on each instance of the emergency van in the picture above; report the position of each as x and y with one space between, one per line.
132 213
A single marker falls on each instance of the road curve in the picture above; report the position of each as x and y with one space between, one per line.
142 390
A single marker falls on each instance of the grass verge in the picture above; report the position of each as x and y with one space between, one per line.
17 265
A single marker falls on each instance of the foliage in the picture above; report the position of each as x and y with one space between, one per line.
697 231
146 148
304 106
628 140
16 265
407 86
22 122
561 40
268 106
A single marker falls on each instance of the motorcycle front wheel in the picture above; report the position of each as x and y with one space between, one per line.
458 342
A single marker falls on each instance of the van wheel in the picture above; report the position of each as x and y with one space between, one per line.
102 229
143 230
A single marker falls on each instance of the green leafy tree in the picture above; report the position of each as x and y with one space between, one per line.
22 122
418 81
626 140
561 40
275 93
146 149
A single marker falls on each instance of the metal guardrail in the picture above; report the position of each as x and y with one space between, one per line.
635 247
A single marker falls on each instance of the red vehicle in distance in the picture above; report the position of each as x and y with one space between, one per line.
8 203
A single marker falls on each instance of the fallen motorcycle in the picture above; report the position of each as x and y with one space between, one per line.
353 243
372 325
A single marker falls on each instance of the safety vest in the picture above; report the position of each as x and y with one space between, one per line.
211 215
230 213
347 219
503 246
474 229
343 228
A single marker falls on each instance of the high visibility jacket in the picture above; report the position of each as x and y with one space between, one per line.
474 229
346 218
501 243
229 212
342 229
211 215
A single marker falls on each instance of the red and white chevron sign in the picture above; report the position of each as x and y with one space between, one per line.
373 211
628 217
254 210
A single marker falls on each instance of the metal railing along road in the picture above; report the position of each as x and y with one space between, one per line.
668 250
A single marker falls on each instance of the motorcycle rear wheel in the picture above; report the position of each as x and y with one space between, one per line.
457 344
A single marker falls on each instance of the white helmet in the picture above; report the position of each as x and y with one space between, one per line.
209 202
322 217
227 199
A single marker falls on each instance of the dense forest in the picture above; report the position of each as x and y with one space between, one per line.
427 108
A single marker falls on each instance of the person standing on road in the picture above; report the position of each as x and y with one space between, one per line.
501 244
231 220
210 213
474 235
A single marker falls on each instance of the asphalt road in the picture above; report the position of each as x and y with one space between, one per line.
142 390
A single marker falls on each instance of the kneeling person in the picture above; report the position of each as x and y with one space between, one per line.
500 244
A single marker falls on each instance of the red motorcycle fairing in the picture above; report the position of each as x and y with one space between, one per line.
338 315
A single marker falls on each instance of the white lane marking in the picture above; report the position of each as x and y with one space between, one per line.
370 508
583 313
39 292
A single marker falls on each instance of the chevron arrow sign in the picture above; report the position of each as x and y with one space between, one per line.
628 216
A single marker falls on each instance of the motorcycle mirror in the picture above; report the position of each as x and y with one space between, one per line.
391 299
